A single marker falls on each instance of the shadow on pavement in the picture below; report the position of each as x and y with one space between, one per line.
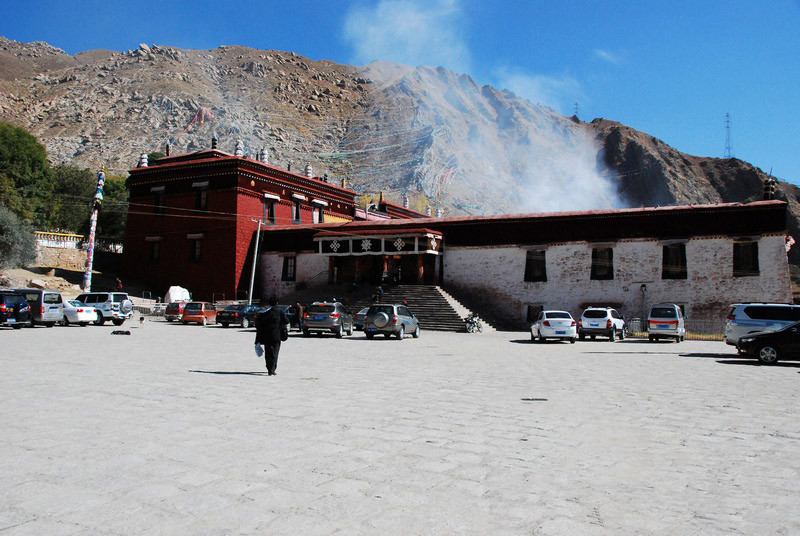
528 341
755 363
713 356
264 373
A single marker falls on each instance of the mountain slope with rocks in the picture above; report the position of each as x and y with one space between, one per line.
432 135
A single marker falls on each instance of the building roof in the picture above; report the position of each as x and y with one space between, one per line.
685 221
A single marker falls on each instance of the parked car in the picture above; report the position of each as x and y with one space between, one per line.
554 325
174 311
291 313
603 321
358 319
745 318
15 311
773 346
114 306
79 313
238 313
390 320
201 312
666 321
46 306
327 317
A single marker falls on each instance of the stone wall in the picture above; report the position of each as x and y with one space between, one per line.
270 269
496 274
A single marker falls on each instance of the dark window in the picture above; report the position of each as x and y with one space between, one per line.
296 211
155 251
557 314
602 263
766 312
535 266
268 214
534 311
289 268
673 262
201 199
663 312
158 202
595 313
317 215
195 249
745 259
320 308
52 298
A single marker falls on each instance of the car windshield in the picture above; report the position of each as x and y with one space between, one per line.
321 309
11 299
375 309
595 313
51 298
75 303
363 311
557 315
120 297
193 307
663 312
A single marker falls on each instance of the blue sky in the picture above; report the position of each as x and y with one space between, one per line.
671 69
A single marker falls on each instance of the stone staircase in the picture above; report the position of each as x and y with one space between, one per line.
435 308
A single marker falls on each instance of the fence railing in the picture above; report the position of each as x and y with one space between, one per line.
695 330
63 240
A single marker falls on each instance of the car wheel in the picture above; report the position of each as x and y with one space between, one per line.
184 322
541 339
118 321
170 319
339 332
591 337
369 335
768 354
651 338
17 326
350 330
581 336
84 324
224 324
64 321
204 321
416 333
622 334
100 320
49 324
306 333
613 335
245 323
572 340
401 333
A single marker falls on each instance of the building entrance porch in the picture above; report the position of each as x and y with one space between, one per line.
414 269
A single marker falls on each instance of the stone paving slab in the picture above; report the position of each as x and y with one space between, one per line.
178 430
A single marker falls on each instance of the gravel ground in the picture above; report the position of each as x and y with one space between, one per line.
178 430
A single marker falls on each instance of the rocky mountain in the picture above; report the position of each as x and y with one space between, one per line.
432 135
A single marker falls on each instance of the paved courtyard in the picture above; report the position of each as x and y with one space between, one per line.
177 430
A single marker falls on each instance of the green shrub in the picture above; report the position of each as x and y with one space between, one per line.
17 243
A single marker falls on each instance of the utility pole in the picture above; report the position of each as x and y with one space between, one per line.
255 260
98 200
728 146
577 109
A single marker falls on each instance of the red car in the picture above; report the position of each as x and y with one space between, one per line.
174 310
201 312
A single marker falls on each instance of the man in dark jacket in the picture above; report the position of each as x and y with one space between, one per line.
269 325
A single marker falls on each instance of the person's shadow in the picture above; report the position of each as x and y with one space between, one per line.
225 372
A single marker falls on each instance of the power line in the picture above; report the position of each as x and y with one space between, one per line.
728 146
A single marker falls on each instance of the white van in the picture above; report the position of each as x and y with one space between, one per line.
746 318
47 307
666 321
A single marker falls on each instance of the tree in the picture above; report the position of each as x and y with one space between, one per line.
27 179
74 191
114 211
17 243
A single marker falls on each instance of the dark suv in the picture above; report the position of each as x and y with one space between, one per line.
14 309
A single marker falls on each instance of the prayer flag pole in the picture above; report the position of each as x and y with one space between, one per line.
98 200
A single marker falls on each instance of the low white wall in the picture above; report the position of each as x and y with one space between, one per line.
270 269
496 275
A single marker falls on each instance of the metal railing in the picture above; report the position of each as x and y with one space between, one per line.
695 330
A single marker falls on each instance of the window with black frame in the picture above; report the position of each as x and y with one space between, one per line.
296 211
602 263
673 262
201 199
535 265
289 269
155 251
158 202
268 214
195 249
745 259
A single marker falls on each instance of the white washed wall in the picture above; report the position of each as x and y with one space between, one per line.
496 275
270 269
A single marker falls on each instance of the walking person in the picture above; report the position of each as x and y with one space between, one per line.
299 308
271 329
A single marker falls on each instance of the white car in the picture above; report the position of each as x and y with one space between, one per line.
554 325
77 313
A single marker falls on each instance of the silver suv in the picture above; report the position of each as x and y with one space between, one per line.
746 318
390 320
603 321
327 317
114 306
